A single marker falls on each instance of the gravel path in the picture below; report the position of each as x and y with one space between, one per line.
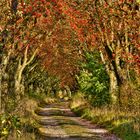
57 122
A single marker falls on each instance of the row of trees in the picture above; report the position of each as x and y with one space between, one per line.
16 49
112 28
19 46
34 34
59 32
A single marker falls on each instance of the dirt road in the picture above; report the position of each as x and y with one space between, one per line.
57 122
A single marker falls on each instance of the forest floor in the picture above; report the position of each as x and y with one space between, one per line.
57 122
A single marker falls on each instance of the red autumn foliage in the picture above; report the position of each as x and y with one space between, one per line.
112 25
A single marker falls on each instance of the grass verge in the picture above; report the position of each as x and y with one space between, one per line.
124 124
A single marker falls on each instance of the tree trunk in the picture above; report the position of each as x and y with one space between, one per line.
114 88
3 76
0 91
18 80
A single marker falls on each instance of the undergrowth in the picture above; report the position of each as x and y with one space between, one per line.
19 124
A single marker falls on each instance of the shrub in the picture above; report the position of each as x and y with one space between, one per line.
93 80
